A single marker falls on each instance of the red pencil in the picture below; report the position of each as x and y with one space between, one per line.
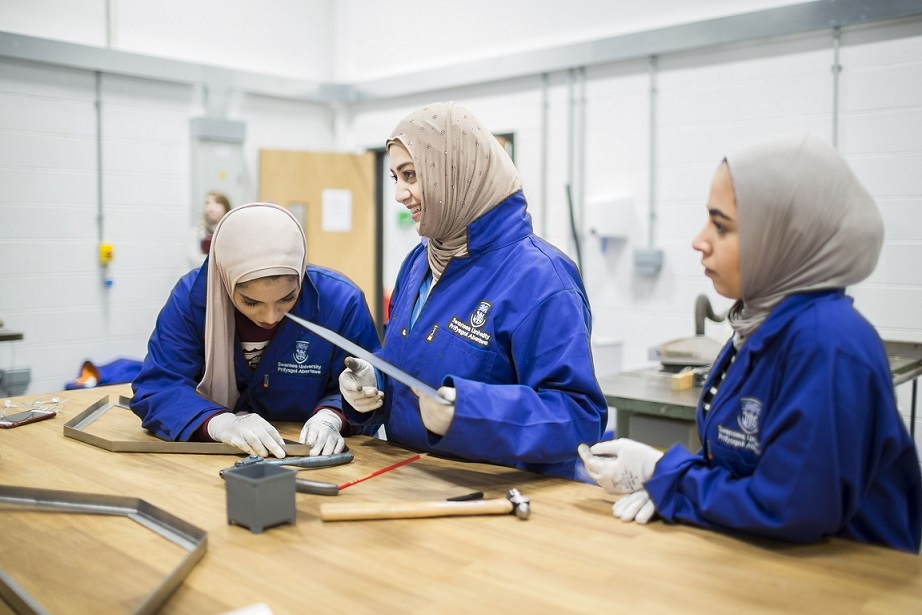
381 471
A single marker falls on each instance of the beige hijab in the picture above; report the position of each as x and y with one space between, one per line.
805 223
463 170
251 241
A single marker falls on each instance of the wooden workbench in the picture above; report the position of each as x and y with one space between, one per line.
571 556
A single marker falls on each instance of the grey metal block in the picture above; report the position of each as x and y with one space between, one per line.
260 496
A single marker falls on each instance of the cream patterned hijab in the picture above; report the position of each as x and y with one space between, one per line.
805 223
251 241
463 170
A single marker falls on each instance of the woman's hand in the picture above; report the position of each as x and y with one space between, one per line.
250 433
620 466
321 433
359 385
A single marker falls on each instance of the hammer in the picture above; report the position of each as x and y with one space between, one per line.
514 503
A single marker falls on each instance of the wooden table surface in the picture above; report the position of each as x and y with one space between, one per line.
571 556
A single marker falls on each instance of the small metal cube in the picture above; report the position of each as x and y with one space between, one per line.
260 496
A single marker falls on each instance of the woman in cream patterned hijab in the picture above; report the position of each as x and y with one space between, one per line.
482 308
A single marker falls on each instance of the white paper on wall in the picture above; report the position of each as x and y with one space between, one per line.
336 211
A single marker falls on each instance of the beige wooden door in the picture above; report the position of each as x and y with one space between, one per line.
336 238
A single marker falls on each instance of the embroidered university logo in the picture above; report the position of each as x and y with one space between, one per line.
479 317
749 415
300 354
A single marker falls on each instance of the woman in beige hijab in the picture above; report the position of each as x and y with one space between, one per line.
801 437
223 362
482 308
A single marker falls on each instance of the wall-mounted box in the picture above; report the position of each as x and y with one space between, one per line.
609 217
14 381
648 261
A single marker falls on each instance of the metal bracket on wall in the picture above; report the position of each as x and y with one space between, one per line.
75 428
174 529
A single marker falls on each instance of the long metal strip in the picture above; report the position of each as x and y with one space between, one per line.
357 351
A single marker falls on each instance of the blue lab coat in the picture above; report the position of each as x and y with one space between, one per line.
297 372
508 326
803 438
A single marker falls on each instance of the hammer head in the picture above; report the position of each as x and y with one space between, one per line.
520 504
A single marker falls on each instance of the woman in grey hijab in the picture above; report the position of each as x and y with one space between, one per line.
483 308
801 437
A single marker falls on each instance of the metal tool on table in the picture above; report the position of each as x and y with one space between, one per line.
357 351
514 503
319 461
319 487
302 485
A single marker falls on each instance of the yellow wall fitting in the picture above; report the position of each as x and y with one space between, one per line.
106 253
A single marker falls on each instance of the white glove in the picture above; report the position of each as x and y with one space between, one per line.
437 417
321 433
249 432
636 506
620 466
359 386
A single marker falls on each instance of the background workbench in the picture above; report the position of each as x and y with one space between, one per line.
650 410
571 556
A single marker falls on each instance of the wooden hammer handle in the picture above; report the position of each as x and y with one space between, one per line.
411 510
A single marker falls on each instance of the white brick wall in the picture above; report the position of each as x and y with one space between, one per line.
51 286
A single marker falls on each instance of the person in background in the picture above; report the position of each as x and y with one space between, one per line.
216 205
223 362
801 436
483 309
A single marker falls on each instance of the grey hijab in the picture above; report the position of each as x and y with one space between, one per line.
463 170
805 223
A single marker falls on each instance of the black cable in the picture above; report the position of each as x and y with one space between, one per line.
579 256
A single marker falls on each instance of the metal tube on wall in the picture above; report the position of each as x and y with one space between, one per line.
572 128
651 237
836 71
99 209
545 128
571 121
98 106
581 168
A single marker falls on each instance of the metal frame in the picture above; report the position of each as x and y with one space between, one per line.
170 527
75 427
